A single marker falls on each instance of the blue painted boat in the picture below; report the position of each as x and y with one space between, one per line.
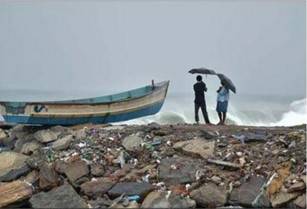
128 105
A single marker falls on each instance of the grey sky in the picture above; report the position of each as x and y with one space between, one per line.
109 46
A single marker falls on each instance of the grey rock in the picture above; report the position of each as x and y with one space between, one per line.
30 147
210 195
97 170
164 200
281 198
247 192
132 142
48 178
207 134
3 135
178 170
61 197
196 147
80 134
300 201
76 170
62 143
22 141
97 187
46 136
131 188
12 166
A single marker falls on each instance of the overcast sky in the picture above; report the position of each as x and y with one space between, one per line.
109 46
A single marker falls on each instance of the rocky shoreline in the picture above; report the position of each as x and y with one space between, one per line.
152 166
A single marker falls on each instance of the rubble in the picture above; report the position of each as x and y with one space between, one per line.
131 166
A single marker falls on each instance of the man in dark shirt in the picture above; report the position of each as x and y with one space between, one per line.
199 89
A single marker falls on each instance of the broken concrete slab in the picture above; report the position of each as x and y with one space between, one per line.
61 197
14 192
210 195
178 170
13 165
196 147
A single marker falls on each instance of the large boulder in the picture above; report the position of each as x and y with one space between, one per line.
62 143
61 197
178 170
12 166
96 187
14 192
76 169
196 147
131 188
46 136
165 200
132 142
210 195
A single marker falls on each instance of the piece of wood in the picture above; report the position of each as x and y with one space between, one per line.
14 192
224 163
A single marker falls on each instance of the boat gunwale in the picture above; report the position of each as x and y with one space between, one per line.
157 86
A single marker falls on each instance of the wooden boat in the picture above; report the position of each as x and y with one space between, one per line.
136 103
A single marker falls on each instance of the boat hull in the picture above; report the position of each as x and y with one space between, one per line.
72 113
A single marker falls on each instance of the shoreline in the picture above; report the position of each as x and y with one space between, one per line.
153 165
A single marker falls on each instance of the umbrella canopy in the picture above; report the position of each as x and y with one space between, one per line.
202 71
228 83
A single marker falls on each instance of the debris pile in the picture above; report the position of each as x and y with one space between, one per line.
146 166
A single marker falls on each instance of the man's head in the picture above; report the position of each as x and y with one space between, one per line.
199 78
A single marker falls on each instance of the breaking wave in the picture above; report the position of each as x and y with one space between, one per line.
295 114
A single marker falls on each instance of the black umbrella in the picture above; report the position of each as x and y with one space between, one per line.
202 71
228 83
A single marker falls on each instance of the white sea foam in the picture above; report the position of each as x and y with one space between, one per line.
296 114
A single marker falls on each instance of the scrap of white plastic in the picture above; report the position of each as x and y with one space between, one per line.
146 178
187 187
111 138
158 161
1 118
169 143
82 144
168 194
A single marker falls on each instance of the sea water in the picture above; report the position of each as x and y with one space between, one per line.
243 109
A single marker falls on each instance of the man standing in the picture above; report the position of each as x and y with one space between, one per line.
199 89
